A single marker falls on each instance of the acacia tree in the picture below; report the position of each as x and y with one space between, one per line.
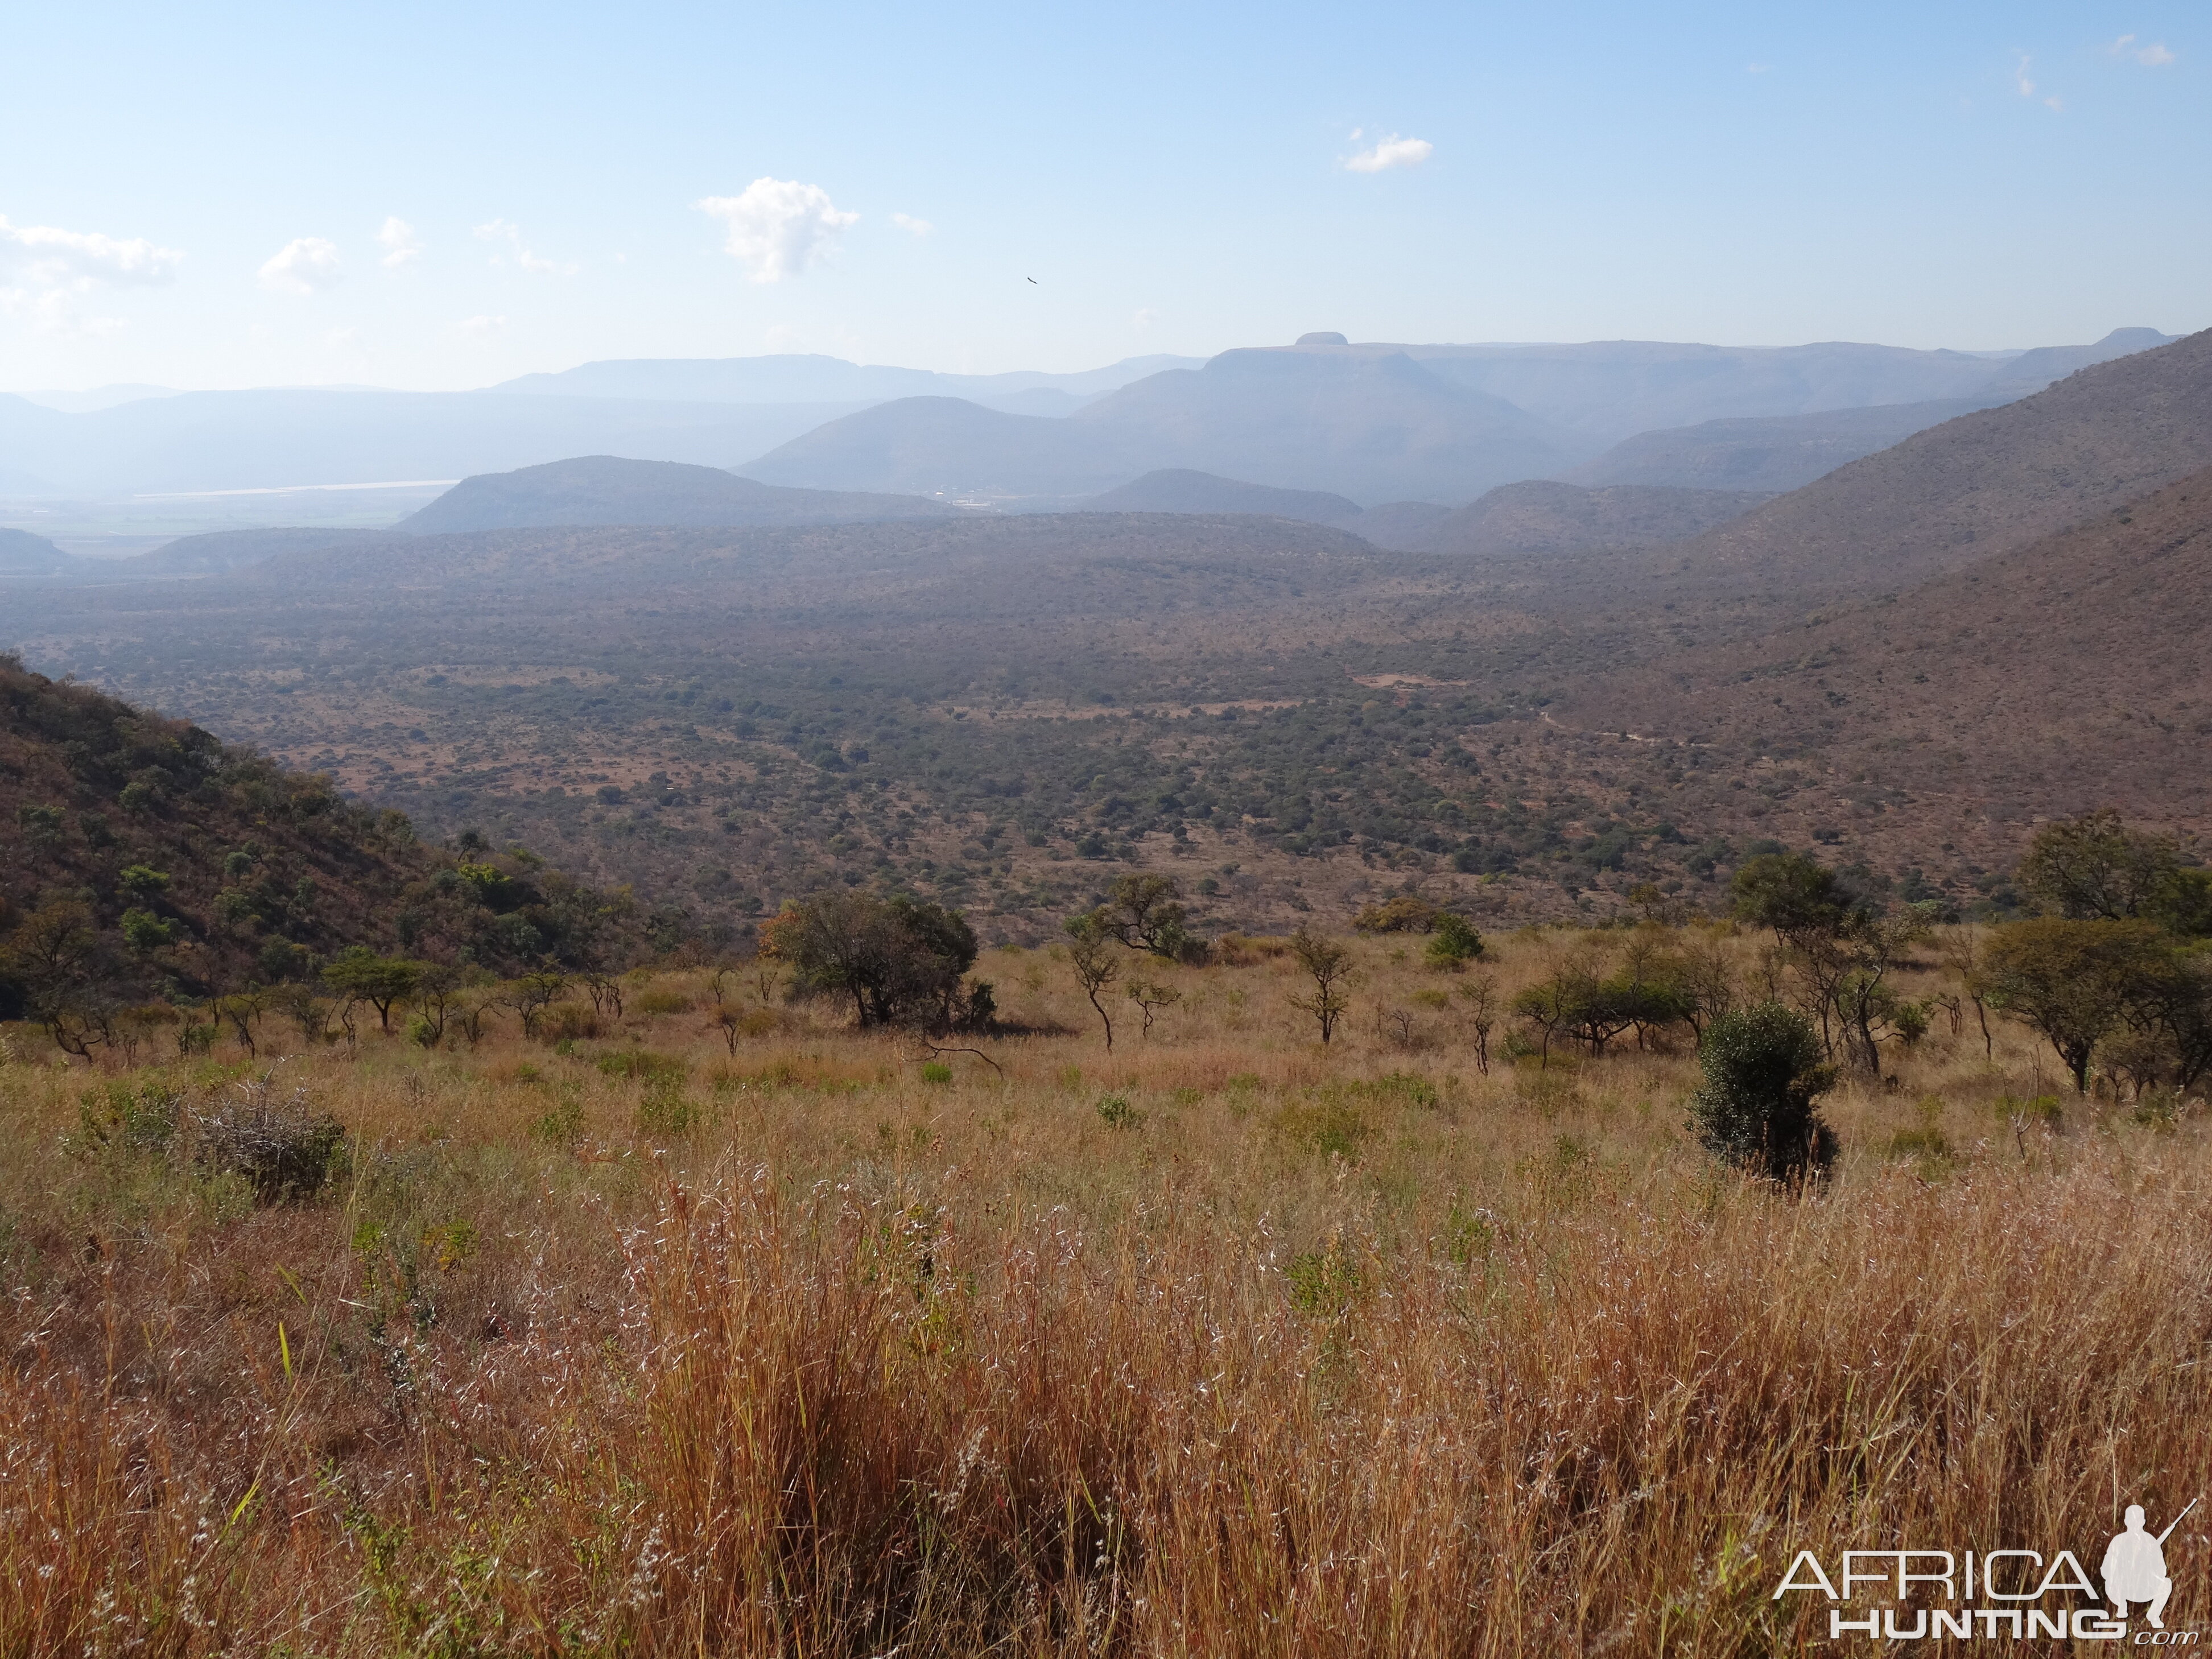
1144 912
1150 997
2077 982
55 957
1479 992
360 975
1329 965
2094 868
1842 949
900 962
1091 953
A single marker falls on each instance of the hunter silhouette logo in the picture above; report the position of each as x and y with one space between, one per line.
2134 1567
2011 1593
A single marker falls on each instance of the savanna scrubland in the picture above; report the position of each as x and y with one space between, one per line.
702 1320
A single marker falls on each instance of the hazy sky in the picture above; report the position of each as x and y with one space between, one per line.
446 196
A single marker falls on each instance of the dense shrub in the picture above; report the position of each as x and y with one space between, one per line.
1763 1072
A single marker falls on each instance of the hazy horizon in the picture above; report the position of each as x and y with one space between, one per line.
954 194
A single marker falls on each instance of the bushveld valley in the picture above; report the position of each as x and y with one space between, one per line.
1120 1081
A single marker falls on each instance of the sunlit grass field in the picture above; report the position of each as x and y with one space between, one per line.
658 1338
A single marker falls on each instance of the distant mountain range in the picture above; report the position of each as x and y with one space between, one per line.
1375 424
1379 423
794 379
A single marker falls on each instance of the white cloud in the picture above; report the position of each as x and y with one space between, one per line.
778 226
913 225
52 257
1144 319
306 264
53 311
2026 83
501 230
481 328
1757 69
2154 56
402 244
1391 152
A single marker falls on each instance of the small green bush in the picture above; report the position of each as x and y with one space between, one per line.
665 1111
642 1063
1324 1284
936 1071
563 1125
1115 1112
1455 943
1763 1071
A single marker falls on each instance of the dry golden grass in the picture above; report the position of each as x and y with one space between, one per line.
1221 1344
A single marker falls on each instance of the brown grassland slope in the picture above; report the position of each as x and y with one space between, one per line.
2068 674
800 1340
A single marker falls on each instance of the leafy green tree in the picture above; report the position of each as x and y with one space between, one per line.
900 961
2094 868
144 931
142 881
2074 981
1144 912
1455 943
1798 896
1329 965
1763 1072
361 976
1842 948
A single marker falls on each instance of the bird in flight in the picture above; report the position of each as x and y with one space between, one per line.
1032 281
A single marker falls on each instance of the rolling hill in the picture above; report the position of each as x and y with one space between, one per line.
1538 518
608 489
1177 489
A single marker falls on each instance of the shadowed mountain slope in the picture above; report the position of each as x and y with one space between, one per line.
1770 453
22 554
1980 485
948 446
607 489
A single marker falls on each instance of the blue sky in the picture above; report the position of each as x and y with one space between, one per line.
1174 178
